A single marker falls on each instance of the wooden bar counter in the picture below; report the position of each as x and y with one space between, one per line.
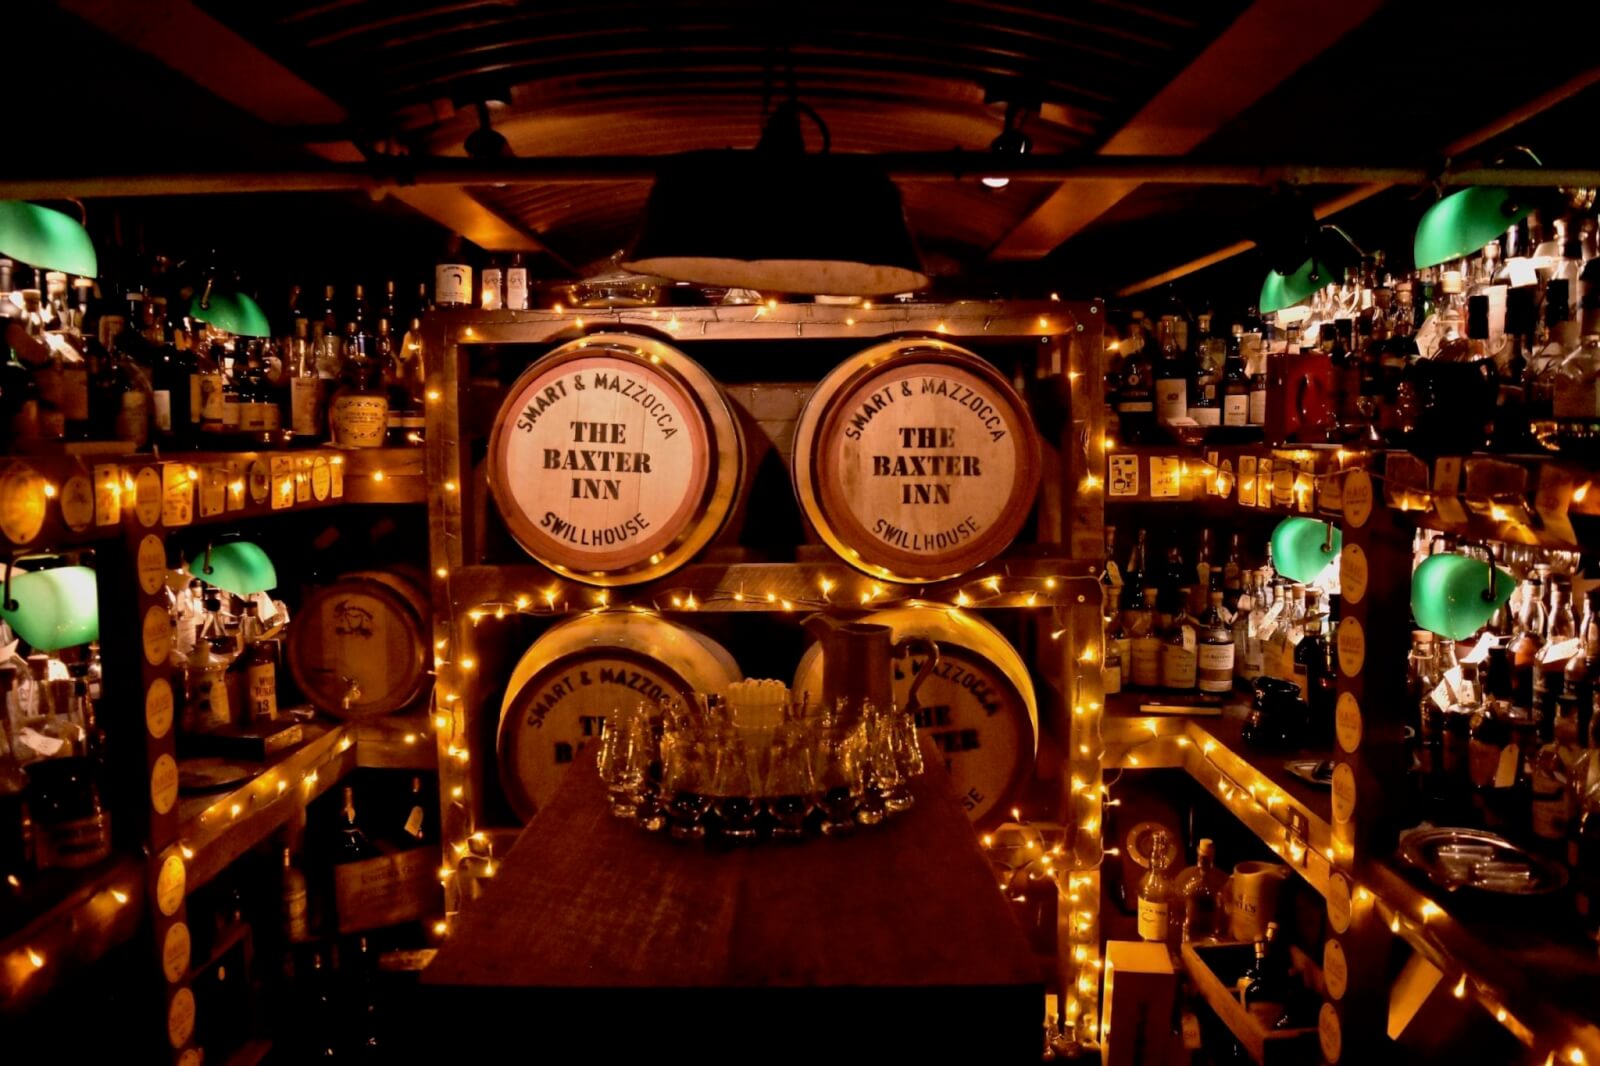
890 940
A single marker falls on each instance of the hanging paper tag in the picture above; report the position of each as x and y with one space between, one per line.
1480 651
1505 772
1188 638
1560 651
37 741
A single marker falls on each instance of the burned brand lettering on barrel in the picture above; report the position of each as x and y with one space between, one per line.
614 456
921 465
566 708
594 456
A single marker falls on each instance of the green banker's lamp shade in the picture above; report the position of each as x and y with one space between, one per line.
1280 291
53 609
1465 221
236 566
1454 596
46 239
1302 547
231 312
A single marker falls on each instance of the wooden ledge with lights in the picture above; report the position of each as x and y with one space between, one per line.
63 500
1532 982
1016 580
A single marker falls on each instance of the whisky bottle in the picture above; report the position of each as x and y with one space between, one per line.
1200 887
1135 399
517 284
1205 386
1179 653
1144 641
305 386
1155 894
452 280
296 927
351 844
1171 375
1215 650
358 415
1235 383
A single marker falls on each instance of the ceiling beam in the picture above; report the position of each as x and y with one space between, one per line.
1267 43
1328 208
220 61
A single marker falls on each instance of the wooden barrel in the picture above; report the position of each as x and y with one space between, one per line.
614 459
581 670
978 705
359 647
915 460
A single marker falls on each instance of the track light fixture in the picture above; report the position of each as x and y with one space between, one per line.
1012 141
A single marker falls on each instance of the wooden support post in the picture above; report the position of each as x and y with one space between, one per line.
1369 761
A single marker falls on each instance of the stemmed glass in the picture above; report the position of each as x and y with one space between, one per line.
890 732
789 780
839 777
624 760
734 786
687 768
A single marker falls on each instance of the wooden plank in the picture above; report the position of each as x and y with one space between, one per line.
1271 40
225 64
905 904
587 902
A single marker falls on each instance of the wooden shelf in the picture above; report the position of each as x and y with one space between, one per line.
767 586
1255 787
62 921
1546 982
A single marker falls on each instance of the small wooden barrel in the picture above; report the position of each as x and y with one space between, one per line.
915 460
582 670
614 459
978 704
359 647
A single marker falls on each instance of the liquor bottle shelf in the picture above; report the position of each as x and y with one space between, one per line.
1015 580
1531 978
63 500
59 921
1256 788
218 827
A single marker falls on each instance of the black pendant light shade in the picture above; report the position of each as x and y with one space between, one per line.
778 219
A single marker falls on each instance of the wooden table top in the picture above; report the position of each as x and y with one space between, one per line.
585 900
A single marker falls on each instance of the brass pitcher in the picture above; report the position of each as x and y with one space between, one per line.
856 662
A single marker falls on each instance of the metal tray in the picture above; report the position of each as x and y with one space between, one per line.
1476 860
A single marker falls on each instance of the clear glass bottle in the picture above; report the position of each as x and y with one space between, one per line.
517 284
1201 889
1156 900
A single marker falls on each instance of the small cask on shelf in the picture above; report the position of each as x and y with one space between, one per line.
615 459
915 461
358 647
583 669
978 705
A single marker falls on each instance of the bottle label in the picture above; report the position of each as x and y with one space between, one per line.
210 388
452 284
163 409
517 289
1172 398
1152 919
268 415
1111 677
1206 416
491 289
232 413
295 926
1215 667
359 421
1146 661
133 421
262 679
1177 666
305 406
75 393
1139 406
208 701
1236 409
194 400
1551 814
1258 407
